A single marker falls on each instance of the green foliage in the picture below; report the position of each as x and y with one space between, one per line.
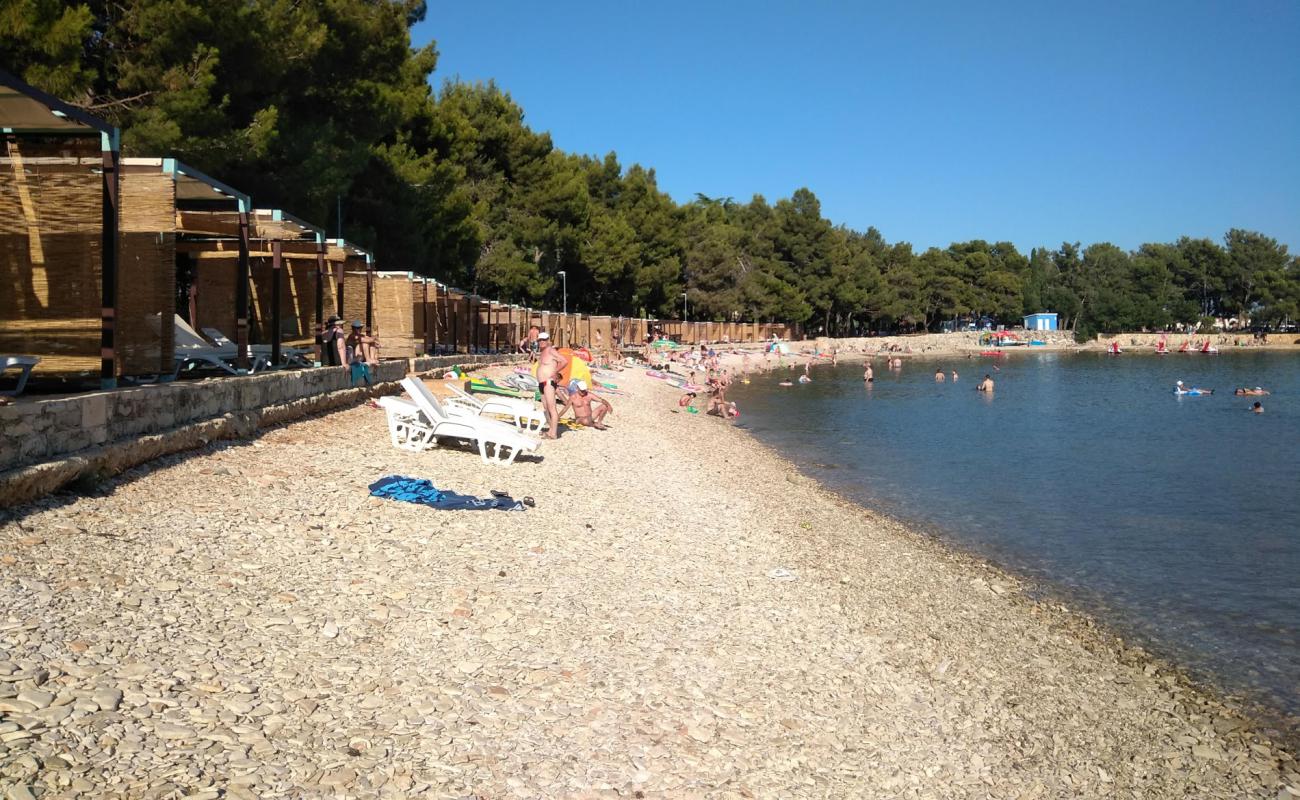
312 106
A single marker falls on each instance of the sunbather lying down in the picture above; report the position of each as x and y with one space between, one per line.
587 408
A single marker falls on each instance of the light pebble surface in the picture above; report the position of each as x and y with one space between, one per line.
682 615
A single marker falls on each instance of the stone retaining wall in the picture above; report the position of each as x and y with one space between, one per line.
47 443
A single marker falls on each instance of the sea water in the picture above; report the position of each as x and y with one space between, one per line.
1174 519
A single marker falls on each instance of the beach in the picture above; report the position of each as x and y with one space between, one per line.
681 615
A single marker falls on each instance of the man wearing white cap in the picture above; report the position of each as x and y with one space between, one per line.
581 402
551 363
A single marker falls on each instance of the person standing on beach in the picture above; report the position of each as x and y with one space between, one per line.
550 363
528 344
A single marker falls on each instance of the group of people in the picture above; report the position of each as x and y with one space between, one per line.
574 395
357 349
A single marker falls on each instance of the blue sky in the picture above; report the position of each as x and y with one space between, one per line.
1033 122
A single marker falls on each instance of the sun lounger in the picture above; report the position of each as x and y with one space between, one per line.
192 350
23 363
294 356
525 414
421 430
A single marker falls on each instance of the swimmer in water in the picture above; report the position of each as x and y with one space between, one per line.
869 375
938 376
1256 392
985 385
1258 408
786 382
954 376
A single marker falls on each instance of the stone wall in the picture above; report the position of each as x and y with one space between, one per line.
46 443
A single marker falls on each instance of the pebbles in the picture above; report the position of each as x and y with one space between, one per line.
280 634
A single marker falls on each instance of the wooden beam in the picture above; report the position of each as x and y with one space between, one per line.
258 248
320 302
277 277
241 295
108 271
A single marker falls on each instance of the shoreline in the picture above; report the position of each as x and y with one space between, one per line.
682 614
1090 628
1054 602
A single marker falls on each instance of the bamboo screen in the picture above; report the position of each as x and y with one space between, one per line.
354 297
297 300
50 246
214 294
299 296
146 278
418 313
395 316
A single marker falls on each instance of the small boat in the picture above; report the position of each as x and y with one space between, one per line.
992 353
1114 349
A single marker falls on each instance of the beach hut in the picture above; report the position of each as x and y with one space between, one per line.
59 235
258 276
1042 321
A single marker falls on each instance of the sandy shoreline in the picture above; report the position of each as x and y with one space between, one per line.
246 621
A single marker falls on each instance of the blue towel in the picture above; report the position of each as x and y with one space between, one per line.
419 490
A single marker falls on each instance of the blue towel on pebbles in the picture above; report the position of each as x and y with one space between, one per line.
421 491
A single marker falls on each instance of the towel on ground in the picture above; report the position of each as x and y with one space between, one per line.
423 492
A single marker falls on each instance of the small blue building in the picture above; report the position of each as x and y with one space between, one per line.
1042 321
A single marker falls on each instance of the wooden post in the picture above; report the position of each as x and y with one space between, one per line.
452 315
276 278
338 285
320 302
436 317
241 295
108 266
424 312
370 298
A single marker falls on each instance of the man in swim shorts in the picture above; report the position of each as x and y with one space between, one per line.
528 344
550 363
581 402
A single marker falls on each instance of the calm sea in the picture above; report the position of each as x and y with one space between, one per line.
1173 518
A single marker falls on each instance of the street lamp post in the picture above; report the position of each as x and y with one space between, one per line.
564 279
684 306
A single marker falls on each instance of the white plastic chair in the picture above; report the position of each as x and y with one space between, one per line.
526 415
420 430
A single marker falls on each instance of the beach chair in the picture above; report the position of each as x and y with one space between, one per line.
420 428
526 415
293 356
192 350
24 364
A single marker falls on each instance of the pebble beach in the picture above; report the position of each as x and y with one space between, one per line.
681 615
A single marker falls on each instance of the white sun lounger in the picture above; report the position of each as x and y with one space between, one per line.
525 413
417 426
24 363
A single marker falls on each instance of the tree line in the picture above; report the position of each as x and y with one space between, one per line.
326 110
